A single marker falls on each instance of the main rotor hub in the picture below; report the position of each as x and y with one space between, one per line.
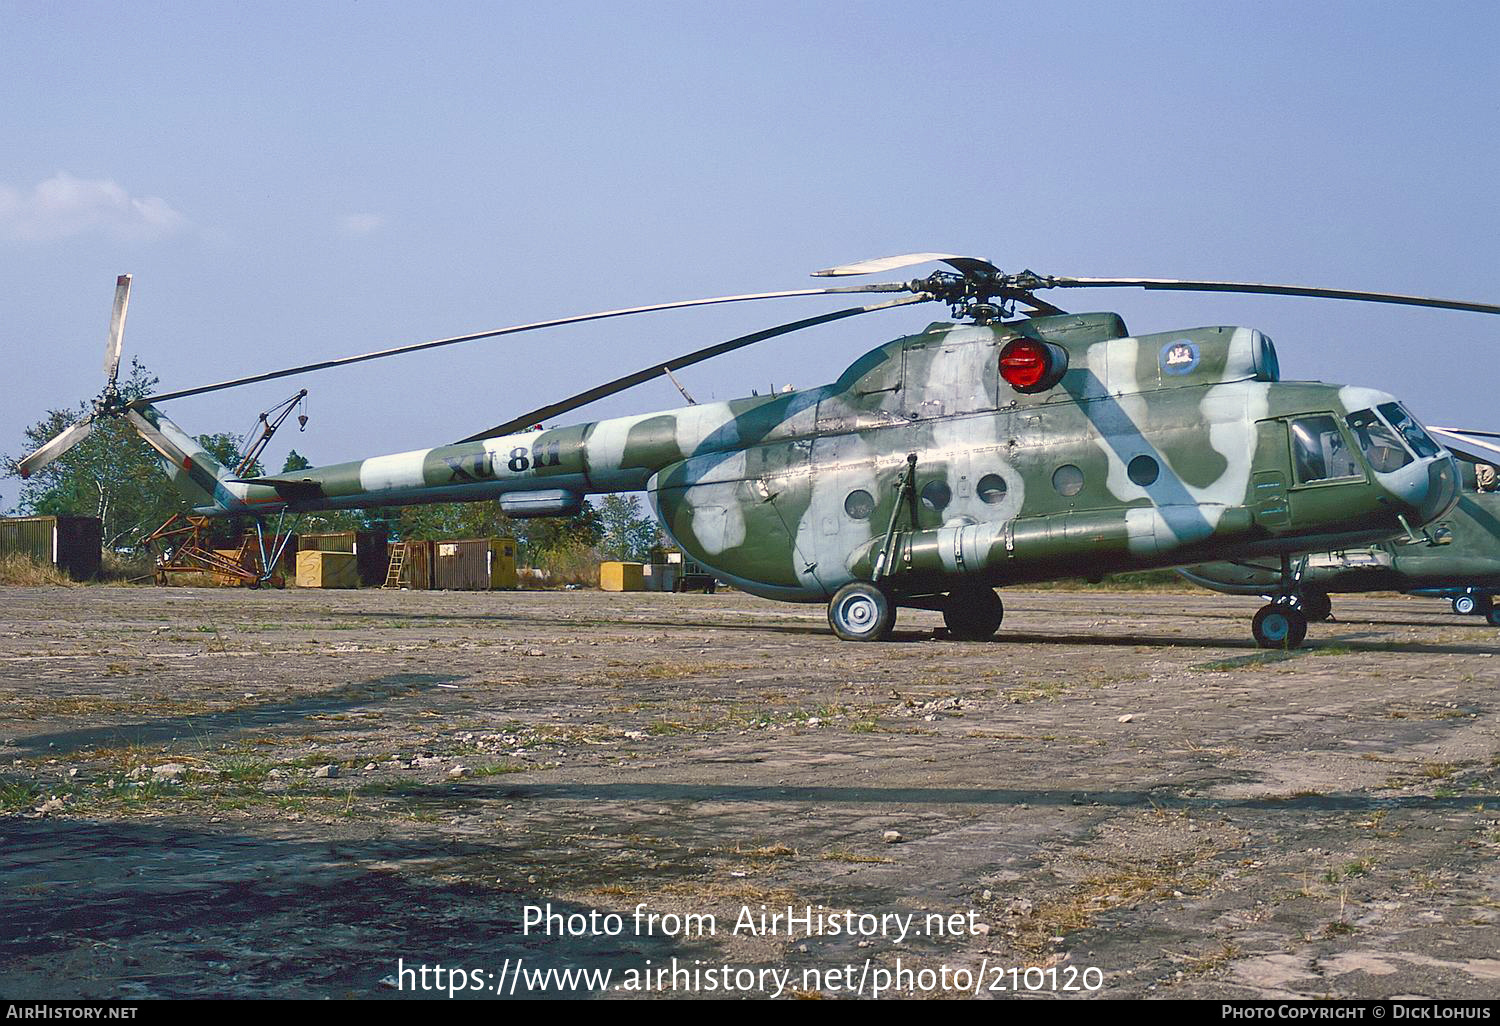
972 294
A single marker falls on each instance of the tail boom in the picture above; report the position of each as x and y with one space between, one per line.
201 479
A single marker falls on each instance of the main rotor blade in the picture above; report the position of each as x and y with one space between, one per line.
513 330
677 363
1466 431
59 444
965 264
117 328
1173 284
1476 445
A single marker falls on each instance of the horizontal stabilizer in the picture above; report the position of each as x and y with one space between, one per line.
291 489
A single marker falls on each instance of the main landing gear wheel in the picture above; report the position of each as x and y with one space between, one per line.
1317 605
861 612
973 614
1467 605
1279 625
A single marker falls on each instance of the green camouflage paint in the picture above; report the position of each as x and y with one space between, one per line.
1157 450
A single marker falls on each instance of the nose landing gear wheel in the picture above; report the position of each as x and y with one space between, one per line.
861 612
973 614
1279 626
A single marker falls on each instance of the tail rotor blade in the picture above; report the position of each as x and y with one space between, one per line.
59 444
117 328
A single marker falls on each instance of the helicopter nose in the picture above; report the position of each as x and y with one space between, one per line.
1442 488
1430 491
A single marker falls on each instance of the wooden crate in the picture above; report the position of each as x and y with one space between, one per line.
317 569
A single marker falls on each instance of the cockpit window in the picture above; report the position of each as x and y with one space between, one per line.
1380 444
1319 450
1421 443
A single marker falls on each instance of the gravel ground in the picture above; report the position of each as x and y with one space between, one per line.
223 792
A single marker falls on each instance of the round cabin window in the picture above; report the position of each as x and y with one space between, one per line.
1068 480
936 495
992 489
859 505
1143 470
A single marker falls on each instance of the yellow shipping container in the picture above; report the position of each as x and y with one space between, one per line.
327 569
503 564
621 577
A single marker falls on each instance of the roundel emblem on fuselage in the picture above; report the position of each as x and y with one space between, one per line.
1179 357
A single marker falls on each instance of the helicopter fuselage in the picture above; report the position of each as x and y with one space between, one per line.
1150 451
1457 554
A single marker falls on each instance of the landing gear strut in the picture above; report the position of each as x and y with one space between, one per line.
972 613
1283 623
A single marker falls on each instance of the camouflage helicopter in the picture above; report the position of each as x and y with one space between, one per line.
996 448
1456 557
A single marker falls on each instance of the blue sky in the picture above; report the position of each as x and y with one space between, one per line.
298 181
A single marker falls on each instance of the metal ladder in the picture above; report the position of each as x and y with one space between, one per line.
396 575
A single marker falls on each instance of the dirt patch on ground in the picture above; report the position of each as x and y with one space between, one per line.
217 792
